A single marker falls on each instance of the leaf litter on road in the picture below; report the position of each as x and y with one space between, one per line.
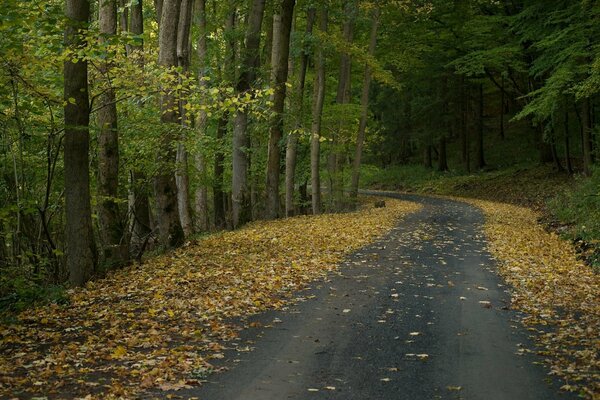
559 294
158 325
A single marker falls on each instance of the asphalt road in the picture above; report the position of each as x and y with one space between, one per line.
421 314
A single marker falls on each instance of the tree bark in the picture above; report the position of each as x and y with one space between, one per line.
114 249
586 126
465 125
443 155
317 111
364 104
228 74
241 212
567 141
218 195
81 251
158 7
427 156
279 64
139 205
480 128
182 178
502 100
201 203
292 142
170 232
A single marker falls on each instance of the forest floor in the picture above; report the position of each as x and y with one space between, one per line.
421 311
159 325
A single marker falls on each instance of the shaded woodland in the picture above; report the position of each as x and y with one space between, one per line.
128 127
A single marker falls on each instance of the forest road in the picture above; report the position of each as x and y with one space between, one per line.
418 315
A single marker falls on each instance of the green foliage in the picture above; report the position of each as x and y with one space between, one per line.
580 208
20 293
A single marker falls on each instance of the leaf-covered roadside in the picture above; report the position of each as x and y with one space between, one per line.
559 294
158 325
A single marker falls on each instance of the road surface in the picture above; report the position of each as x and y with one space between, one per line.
420 314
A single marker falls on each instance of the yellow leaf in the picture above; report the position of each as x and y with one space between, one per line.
119 352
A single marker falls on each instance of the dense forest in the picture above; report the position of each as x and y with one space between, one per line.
128 127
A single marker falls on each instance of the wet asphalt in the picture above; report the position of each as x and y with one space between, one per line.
420 314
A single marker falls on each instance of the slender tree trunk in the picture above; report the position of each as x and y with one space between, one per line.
480 129
502 100
115 252
427 156
139 205
364 104
317 110
170 232
158 6
81 251
279 75
567 142
221 203
464 132
182 178
218 195
554 152
586 125
292 143
201 203
241 212
443 155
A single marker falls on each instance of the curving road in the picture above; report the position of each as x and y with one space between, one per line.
420 314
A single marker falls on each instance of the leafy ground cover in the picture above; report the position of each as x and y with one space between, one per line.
157 325
559 293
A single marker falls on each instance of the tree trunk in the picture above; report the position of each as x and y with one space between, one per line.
218 195
586 125
139 205
240 195
317 110
567 141
443 155
364 105
137 19
170 232
282 27
182 178
427 156
115 252
502 100
158 7
292 143
220 201
480 128
201 203
464 131
81 251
